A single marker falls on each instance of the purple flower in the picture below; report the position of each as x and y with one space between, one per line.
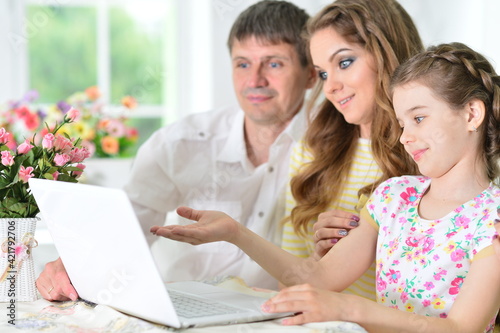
63 106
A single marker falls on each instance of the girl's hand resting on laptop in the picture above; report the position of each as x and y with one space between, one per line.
212 226
54 284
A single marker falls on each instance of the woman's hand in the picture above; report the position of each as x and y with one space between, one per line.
212 226
330 227
310 304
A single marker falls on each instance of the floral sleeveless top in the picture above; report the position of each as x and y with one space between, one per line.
421 264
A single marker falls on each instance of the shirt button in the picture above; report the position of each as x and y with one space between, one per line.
261 214
271 169
201 134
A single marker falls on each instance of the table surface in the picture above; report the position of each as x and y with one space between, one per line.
83 317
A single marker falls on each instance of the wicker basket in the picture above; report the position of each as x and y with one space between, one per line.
17 269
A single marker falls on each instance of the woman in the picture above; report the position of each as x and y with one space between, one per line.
351 146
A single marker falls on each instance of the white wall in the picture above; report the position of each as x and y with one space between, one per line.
474 23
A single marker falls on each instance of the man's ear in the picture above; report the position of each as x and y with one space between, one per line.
476 111
313 76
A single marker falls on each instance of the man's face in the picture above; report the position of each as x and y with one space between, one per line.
269 80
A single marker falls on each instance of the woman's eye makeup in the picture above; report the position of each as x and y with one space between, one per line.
344 63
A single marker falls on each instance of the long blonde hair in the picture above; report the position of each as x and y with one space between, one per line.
385 30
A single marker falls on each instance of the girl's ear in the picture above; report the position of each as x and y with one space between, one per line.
476 112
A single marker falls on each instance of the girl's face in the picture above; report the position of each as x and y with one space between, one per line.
436 136
349 76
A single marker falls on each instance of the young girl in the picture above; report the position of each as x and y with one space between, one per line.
431 235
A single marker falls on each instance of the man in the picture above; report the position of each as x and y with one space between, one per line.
234 160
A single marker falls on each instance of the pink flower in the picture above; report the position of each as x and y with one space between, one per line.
55 175
48 141
61 159
462 221
24 147
429 285
7 158
458 255
63 144
4 135
26 173
456 285
393 275
412 241
426 302
78 155
410 196
73 114
381 285
77 174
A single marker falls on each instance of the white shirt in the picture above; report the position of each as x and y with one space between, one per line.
201 161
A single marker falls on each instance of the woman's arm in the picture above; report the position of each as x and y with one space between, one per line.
478 300
348 260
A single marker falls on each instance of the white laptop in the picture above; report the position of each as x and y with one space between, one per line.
103 248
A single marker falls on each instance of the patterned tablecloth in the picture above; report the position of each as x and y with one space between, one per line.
83 317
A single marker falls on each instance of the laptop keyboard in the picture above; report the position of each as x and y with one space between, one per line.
188 306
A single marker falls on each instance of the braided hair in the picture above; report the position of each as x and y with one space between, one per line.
457 74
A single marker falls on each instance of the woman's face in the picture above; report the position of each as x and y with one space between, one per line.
349 76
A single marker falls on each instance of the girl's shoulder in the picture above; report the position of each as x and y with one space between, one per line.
405 182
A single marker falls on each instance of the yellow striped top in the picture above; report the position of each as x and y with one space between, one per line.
364 171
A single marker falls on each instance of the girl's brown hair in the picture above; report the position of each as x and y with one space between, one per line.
457 74
385 30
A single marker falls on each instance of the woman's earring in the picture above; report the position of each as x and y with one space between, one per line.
475 129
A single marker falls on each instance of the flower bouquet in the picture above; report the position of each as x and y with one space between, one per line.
51 155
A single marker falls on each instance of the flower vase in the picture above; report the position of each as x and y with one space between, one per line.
17 269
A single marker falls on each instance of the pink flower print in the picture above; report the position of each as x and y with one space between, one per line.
458 265
412 241
458 255
439 276
410 196
428 244
462 221
61 159
426 303
456 285
25 173
393 276
468 236
48 141
404 297
7 158
436 257
429 285
381 285
451 234
430 231
443 315
402 220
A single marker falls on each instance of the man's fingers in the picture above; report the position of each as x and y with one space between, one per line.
189 213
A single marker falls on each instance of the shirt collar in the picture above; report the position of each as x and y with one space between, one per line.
236 138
